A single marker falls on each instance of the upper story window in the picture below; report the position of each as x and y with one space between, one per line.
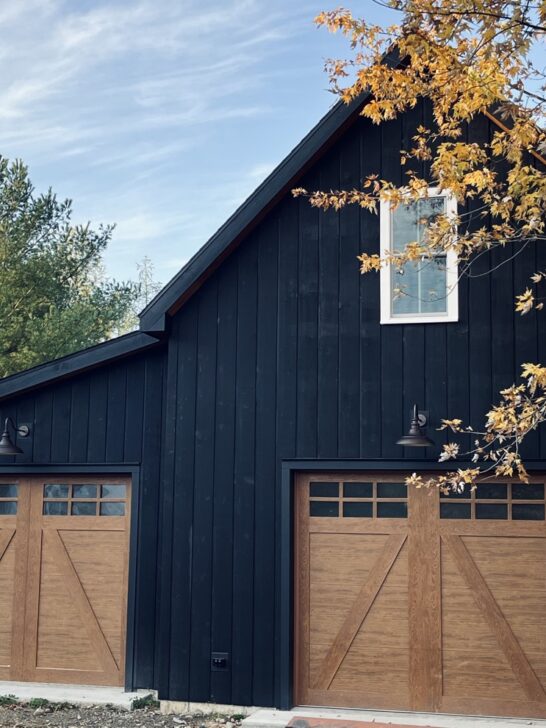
424 291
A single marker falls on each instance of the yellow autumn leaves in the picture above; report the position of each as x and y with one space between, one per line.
466 60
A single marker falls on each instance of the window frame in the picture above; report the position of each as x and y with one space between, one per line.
452 273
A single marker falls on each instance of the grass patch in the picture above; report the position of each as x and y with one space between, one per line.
146 701
6 700
38 703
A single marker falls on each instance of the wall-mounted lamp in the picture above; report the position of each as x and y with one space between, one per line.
7 447
415 437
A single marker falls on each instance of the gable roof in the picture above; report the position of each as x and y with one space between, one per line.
249 214
172 296
76 363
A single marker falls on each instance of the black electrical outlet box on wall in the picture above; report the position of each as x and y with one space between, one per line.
219 661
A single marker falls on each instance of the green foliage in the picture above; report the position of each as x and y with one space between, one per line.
146 701
53 294
38 703
7 700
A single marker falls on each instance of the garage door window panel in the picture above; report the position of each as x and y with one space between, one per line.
357 499
8 499
84 499
496 501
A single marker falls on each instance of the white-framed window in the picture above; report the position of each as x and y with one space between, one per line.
424 291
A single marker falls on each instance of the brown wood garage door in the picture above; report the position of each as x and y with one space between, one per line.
63 579
405 600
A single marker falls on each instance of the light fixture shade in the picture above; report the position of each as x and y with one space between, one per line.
415 437
7 447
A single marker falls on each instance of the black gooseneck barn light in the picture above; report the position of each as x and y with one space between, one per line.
7 446
416 437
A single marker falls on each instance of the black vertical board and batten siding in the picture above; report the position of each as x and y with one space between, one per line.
279 355
313 374
88 421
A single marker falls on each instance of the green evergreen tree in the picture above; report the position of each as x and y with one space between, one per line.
54 297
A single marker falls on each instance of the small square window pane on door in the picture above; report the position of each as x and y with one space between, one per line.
528 491
55 490
528 512
112 509
358 490
494 491
392 510
112 491
8 508
455 510
84 491
55 508
494 511
83 508
324 508
392 490
354 509
323 489
8 491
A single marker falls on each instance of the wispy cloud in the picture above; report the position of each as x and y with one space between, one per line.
160 116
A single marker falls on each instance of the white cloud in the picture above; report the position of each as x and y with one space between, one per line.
143 110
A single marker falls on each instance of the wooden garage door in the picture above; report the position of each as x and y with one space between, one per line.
63 579
405 600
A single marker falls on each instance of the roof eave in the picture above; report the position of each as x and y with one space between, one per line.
76 363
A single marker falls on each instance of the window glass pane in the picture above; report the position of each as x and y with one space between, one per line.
454 510
404 226
112 509
113 491
357 510
492 490
55 490
55 509
392 490
392 510
405 289
358 490
324 490
8 491
528 491
8 508
84 509
492 510
527 512
420 287
84 491
453 495
320 508
433 285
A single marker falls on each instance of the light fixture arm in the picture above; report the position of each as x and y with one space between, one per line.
21 430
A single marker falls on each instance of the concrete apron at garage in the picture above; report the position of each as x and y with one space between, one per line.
332 718
74 694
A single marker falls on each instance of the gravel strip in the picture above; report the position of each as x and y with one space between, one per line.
23 716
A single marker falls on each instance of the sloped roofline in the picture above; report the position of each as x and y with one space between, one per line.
76 363
208 258
248 215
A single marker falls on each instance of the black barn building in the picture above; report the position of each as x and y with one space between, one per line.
214 506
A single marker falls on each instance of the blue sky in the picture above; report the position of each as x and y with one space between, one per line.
160 115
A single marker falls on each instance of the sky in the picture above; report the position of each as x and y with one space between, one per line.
160 116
